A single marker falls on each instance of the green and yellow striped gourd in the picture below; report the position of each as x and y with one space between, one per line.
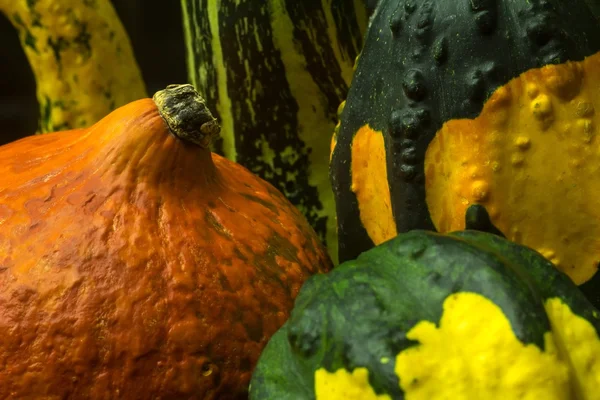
81 58
277 71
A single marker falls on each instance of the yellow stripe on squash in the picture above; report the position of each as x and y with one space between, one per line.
370 184
532 158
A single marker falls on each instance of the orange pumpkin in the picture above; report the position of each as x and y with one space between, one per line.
135 264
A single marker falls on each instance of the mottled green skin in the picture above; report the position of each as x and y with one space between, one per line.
361 311
426 62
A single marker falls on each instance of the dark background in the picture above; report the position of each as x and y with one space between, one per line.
156 35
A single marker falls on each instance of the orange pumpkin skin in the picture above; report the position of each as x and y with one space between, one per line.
135 265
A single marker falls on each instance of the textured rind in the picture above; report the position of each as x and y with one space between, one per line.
136 266
277 71
531 150
81 58
360 313
436 61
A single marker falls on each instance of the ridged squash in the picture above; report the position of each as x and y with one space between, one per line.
81 58
489 102
428 316
277 71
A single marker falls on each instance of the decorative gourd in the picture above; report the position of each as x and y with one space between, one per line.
81 58
507 92
277 71
468 315
132 260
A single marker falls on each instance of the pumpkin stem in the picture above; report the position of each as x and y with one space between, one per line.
186 114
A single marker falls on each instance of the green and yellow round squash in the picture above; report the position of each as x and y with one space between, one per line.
488 102
277 71
466 315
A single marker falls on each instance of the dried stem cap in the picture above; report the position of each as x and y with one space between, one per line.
186 114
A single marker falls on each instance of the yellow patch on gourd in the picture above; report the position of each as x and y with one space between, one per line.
344 385
532 158
370 184
579 344
474 354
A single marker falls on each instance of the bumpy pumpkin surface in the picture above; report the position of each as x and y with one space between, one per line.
425 63
277 71
135 264
468 315
81 58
